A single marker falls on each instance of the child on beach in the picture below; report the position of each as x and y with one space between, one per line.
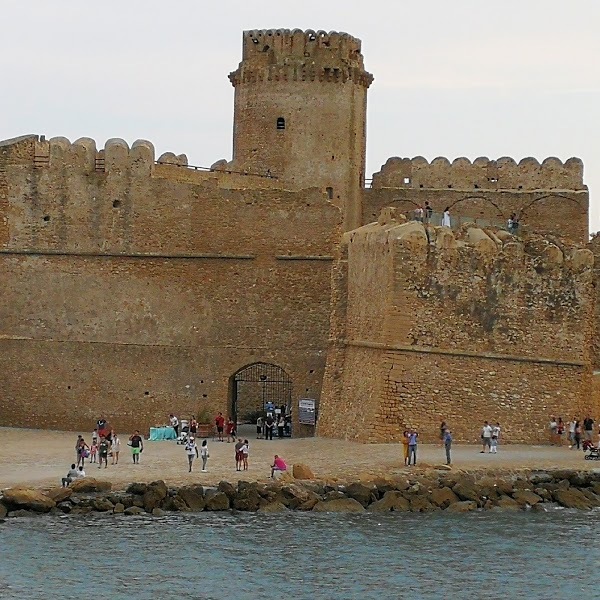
94 451
204 455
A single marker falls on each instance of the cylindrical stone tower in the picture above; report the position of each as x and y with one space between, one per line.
300 112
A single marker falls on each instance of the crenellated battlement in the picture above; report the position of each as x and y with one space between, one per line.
296 55
82 155
501 174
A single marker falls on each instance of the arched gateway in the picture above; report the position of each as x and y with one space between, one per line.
253 386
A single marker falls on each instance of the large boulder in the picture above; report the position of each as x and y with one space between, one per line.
217 500
155 493
27 499
228 489
462 507
247 500
572 498
133 511
420 503
339 505
273 507
60 494
467 490
192 498
392 500
87 485
507 503
302 471
137 488
443 497
103 505
526 497
361 493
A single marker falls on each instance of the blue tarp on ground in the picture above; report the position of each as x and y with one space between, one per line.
162 433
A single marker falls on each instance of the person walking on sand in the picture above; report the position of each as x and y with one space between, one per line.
588 428
553 426
115 448
495 438
572 426
578 435
103 452
137 446
191 450
443 428
412 447
405 446
204 455
259 428
486 437
239 458
82 452
220 423
560 430
230 430
448 445
245 450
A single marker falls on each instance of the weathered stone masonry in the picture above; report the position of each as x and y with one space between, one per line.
137 287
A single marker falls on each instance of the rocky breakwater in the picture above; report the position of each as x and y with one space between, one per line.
424 491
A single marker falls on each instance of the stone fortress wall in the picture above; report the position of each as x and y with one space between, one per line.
137 287
481 326
136 295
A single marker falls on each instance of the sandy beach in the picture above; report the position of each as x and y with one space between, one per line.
39 458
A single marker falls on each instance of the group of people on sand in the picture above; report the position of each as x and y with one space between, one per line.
490 437
578 432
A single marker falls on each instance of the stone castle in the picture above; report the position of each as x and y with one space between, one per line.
135 287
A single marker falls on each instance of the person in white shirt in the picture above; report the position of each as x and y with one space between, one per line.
204 455
191 450
572 426
446 217
495 438
81 473
115 448
174 421
245 450
71 475
486 437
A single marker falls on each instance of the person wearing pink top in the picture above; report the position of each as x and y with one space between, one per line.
278 465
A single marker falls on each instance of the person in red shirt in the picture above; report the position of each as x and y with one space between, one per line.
230 430
220 423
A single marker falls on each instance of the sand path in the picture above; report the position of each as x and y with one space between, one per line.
40 458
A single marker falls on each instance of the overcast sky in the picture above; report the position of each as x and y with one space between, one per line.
452 78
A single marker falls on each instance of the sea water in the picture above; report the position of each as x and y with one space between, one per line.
483 555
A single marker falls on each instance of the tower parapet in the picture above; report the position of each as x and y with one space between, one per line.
300 112
296 55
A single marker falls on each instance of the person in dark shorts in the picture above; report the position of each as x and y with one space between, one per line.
269 424
103 452
137 446
239 457
220 423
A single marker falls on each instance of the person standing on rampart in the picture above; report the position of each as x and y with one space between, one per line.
446 217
